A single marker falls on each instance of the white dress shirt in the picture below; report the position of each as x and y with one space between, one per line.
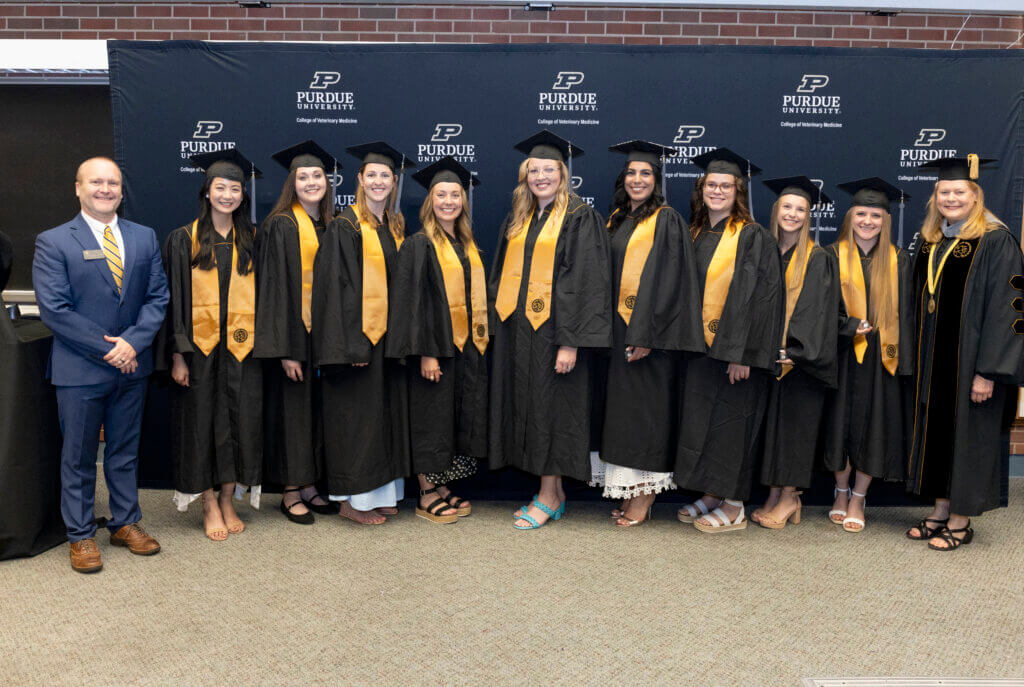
98 227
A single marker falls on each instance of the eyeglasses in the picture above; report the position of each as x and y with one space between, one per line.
724 188
546 172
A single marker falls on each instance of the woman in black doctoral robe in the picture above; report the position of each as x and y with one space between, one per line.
207 340
968 295
866 425
365 403
288 241
655 318
438 325
808 355
725 390
552 299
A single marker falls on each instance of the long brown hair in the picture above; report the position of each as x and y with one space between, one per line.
395 220
879 283
699 212
289 197
524 203
978 222
433 229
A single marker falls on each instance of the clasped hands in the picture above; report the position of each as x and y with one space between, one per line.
121 356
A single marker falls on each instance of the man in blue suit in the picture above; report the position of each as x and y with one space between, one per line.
101 288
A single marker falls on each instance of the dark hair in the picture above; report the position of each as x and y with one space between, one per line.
622 202
699 212
205 233
288 198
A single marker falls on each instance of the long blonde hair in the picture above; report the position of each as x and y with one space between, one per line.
803 245
396 222
880 285
433 229
524 204
978 222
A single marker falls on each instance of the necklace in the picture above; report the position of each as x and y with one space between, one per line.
934 274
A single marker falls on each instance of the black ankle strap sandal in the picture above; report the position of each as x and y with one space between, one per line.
947 535
926 532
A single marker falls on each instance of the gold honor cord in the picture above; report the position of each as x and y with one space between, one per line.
375 285
854 296
542 266
637 251
792 296
719 278
206 306
935 274
455 290
309 244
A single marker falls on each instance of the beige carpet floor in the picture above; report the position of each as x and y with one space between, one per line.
578 602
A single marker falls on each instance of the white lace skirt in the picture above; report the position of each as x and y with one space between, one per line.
625 483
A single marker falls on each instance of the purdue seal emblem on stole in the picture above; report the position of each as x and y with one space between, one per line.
890 351
713 326
537 305
630 301
240 336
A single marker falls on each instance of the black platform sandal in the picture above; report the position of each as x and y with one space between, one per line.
926 532
304 519
947 535
433 511
461 505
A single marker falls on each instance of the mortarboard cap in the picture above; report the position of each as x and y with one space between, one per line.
874 193
306 154
642 151
546 145
957 168
226 164
380 153
446 169
799 186
724 161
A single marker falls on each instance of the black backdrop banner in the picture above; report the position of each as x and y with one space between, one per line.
832 114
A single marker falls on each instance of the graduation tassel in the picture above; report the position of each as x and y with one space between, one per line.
750 189
401 180
252 193
334 191
570 167
899 235
471 175
664 178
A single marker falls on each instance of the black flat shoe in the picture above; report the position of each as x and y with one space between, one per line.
329 508
304 519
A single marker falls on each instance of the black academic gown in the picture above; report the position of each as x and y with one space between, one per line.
448 417
792 435
217 419
866 417
293 439
540 420
366 415
720 423
6 259
957 452
642 407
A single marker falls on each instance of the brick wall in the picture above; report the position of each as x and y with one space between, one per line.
495 24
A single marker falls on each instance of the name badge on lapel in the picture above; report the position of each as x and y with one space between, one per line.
96 254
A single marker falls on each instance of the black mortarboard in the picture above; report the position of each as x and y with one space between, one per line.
958 168
547 145
306 154
446 169
653 154
226 164
724 161
873 193
877 193
800 186
380 153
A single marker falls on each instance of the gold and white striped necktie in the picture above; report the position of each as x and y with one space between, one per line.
113 256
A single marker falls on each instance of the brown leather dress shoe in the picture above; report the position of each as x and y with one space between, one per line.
136 539
85 556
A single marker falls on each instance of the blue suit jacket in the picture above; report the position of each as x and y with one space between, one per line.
78 300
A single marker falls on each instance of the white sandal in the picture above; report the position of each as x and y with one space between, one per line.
855 521
835 492
722 523
688 513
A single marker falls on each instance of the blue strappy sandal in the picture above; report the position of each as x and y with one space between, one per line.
552 515
559 512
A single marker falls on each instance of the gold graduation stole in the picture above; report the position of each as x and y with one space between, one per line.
206 305
637 250
309 244
542 267
375 284
792 296
455 290
855 297
719 278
